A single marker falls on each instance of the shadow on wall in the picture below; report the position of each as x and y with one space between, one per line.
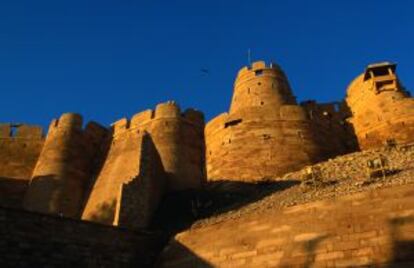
178 255
40 195
310 246
179 210
402 248
12 192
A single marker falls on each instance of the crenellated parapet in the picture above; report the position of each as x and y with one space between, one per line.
168 111
179 140
20 131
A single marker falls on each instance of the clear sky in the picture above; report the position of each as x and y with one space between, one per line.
110 59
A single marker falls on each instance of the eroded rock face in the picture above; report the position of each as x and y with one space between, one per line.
382 110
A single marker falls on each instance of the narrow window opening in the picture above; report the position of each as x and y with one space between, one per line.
229 141
266 136
13 131
248 90
232 123
261 103
259 83
380 71
258 72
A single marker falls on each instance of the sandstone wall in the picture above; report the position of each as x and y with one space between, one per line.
381 108
138 199
34 240
64 167
368 228
178 139
333 133
19 151
265 134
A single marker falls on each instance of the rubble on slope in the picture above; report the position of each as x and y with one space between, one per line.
343 175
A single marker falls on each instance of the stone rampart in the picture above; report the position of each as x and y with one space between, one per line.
381 109
20 147
373 228
31 239
64 167
179 142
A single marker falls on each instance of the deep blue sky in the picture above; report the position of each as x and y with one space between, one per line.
110 59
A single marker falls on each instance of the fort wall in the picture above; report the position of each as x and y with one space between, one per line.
381 109
64 167
20 147
373 228
138 199
178 139
334 134
31 239
265 134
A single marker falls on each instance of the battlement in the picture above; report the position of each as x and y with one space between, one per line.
169 109
68 121
257 66
163 111
21 131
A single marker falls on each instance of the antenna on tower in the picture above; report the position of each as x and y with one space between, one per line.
249 57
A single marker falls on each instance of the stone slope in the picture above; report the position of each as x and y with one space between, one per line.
340 176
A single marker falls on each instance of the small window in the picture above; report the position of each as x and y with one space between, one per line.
258 72
261 103
259 83
229 141
232 123
266 136
248 90
380 71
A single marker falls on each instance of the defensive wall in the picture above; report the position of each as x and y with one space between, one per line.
179 141
20 146
333 132
373 228
382 110
64 167
265 134
31 239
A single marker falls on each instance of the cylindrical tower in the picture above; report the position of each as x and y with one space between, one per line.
179 141
381 109
261 87
264 135
64 166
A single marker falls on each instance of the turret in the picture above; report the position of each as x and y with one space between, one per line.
262 87
64 167
264 135
381 108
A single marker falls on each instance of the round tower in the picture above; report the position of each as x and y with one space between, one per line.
264 135
179 141
261 87
382 110
58 180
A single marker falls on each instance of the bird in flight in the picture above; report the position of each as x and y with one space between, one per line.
204 71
